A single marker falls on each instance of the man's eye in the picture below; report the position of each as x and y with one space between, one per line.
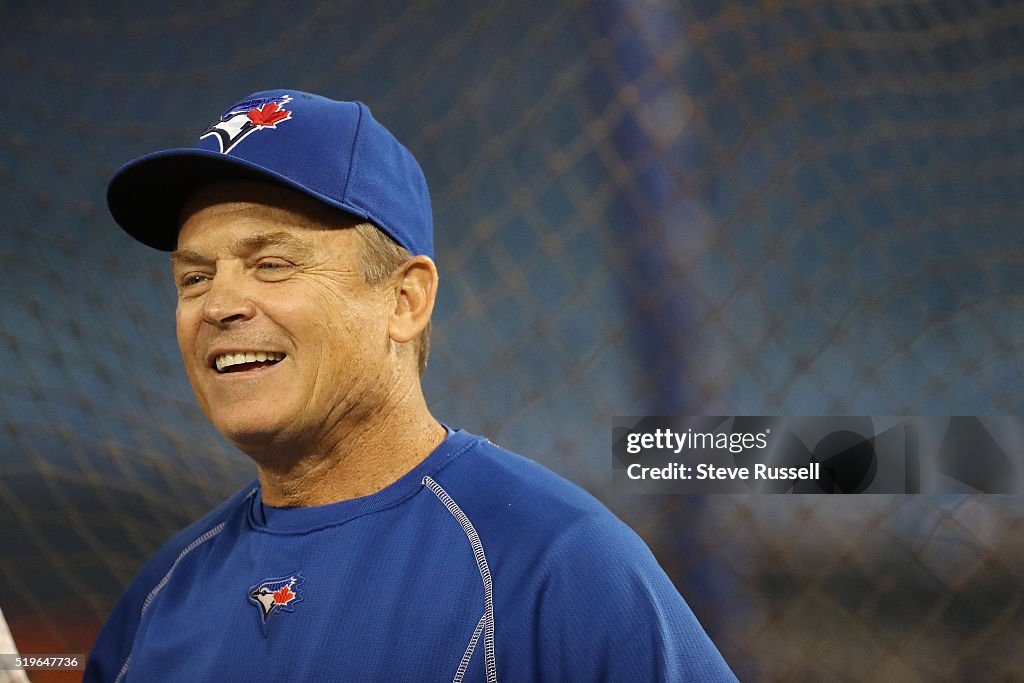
274 268
194 279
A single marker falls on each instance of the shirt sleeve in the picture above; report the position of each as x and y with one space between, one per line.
114 643
608 612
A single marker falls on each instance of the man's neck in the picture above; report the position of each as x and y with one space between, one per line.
367 457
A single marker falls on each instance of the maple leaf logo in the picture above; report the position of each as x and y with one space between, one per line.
245 118
283 596
269 115
276 596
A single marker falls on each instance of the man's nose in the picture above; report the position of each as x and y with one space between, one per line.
227 300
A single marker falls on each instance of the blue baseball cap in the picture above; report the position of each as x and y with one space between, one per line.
333 151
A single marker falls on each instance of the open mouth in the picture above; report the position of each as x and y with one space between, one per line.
245 361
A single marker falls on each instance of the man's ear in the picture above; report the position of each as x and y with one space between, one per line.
415 289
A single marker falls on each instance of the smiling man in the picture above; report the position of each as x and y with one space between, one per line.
376 543
293 352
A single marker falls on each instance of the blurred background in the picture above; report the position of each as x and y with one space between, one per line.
642 207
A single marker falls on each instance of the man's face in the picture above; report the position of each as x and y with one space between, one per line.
284 342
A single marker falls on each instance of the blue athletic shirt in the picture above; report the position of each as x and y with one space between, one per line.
477 565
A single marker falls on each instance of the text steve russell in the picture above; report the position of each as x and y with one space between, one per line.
703 471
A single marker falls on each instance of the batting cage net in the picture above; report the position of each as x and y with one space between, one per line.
696 207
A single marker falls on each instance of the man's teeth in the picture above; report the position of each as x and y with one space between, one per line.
226 360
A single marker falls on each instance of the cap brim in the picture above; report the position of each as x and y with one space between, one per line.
146 196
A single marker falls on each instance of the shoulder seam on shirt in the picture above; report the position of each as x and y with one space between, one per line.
167 577
486 623
454 456
206 536
124 668
163 582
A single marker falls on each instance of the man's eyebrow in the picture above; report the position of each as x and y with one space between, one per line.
247 245
187 257
272 239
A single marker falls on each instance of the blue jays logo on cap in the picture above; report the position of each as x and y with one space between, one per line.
332 150
245 118
272 596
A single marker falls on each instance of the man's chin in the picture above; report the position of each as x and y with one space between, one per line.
250 435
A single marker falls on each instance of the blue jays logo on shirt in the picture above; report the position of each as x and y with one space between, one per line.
245 118
272 596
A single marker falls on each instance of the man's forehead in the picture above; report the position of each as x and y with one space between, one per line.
263 198
257 212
